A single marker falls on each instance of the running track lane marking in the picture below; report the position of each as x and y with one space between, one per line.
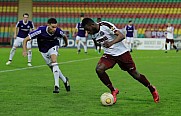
71 61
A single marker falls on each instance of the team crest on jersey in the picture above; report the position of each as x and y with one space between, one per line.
112 28
101 33
28 26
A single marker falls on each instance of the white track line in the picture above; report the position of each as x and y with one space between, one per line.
71 61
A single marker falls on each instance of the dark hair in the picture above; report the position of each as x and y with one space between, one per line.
86 21
82 15
130 21
98 18
26 14
52 21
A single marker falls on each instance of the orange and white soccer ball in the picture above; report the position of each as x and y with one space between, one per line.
107 99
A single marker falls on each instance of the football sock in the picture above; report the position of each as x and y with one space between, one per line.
62 77
96 47
130 47
165 46
29 55
78 45
150 87
12 52
174 47
56 73
85 48
142 79
99 49
105 79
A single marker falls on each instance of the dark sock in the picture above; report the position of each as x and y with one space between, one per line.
142 79
165 46
105 79
150 87
174 47
51 67
146 83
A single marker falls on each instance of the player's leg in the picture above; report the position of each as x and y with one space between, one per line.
128 39
99 49
83 39
131 46
95 48
166 42
105 63
17 43
143 80
29 53
174 46
55 68
48 61
126 63
78 44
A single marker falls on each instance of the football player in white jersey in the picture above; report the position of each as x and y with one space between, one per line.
169 37
115 52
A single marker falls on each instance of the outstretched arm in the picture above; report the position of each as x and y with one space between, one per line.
25 44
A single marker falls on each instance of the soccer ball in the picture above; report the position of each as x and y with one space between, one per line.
107 99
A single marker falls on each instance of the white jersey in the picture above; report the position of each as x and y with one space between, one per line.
106 33
170 34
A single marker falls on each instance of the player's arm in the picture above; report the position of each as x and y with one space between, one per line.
32 26
125 32
65 38
25 44
75 31
171 30
119 37
16 29
86 34
134 31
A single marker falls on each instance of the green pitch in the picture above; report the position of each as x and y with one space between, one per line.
27 91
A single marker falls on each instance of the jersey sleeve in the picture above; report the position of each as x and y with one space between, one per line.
76 26
112 29
61 33
35 33
18 24
32 25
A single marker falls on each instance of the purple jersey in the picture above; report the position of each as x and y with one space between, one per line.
46 40
129 30
24 28
81 31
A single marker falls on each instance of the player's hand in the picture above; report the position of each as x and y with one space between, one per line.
74 36
14 36
107 44
65 45
25 53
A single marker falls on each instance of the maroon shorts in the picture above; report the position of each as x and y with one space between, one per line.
124 61
169 40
